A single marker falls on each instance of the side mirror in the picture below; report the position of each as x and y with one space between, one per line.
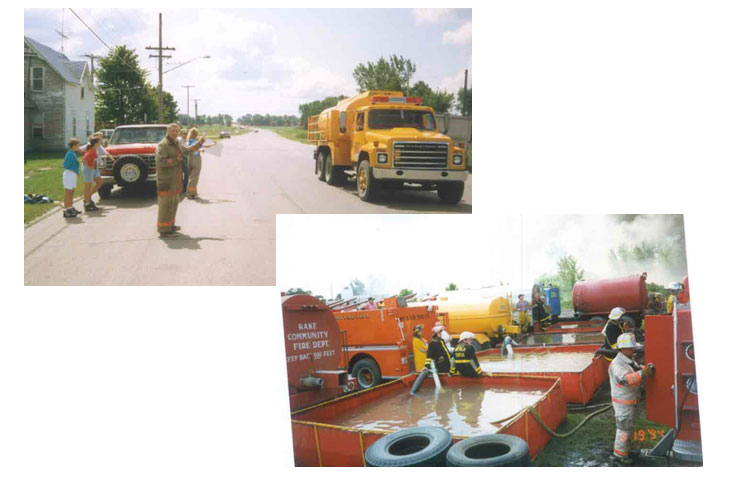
342 122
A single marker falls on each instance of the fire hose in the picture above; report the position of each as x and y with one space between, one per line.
546 427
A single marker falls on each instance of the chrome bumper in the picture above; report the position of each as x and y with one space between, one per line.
419 174
110 179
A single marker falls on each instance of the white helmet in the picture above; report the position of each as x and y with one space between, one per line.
466 335
627 341
616 313
436 330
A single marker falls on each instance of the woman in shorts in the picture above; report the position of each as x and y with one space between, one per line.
92 179
70 177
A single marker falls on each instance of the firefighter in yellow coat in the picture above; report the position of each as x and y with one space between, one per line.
419 346
465 357
169 155
625 379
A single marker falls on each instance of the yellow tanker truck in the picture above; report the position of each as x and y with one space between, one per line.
487 314
385 139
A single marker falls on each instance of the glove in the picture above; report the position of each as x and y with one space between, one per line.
648 370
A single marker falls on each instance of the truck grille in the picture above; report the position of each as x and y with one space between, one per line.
149 159
420 155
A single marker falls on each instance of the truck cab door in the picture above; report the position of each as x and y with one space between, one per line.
358 135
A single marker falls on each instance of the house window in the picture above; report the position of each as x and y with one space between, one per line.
74 127
37 79
81 91
37 126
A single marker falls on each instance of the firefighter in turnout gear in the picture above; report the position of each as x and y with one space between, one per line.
169 155
419 345
612 330
437 351
465 357
539 313
625 380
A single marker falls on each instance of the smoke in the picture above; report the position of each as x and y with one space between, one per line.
607 246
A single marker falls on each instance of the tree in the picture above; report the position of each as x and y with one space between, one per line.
122 94
405 292
451 287
464 107
568 272
439 100
393 74
357 287
151 107
315 107
298 291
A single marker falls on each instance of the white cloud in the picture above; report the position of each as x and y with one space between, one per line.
454 82
460 36
431 16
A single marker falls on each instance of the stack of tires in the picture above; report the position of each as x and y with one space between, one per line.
433 447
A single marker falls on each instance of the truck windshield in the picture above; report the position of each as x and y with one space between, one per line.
138 135
400 118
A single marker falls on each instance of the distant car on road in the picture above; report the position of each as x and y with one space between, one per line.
134 150
224 134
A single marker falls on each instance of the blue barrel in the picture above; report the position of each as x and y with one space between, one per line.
553 300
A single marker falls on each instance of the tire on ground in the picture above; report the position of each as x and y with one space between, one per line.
489 450
367 373
105 191
129 163
367 186
414 447
333 175
450 192
319 163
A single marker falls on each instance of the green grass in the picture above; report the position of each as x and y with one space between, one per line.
592 444
42 174
292 133
212 131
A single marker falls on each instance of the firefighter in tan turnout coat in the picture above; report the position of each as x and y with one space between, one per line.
625 379
169 155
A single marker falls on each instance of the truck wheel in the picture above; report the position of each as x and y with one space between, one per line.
415 447
367 186
105 191
332 174
319 170
367 373
491 450
450 192
130 171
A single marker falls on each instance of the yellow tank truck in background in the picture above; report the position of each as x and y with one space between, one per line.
386 140
486 313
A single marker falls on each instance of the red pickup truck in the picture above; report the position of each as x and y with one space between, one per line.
134 150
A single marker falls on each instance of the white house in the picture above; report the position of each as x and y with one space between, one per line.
58 98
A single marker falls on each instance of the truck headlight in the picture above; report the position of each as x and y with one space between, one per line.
382 157
457 159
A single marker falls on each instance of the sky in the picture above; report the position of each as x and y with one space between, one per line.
425 253
268 60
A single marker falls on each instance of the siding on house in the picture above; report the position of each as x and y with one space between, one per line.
59 101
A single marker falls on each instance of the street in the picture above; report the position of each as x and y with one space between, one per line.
227 236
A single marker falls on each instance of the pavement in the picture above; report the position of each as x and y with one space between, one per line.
228 236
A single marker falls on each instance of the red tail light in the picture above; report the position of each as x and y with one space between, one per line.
380 98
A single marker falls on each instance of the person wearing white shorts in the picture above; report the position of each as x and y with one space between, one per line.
71 167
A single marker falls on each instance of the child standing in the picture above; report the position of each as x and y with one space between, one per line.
70 177
91 177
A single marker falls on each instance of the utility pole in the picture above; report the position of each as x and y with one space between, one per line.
160 49
196 110
187 109
92 57
466 81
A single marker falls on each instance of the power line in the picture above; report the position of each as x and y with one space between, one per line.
89 27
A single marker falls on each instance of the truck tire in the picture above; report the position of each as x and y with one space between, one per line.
319 162
414 447
332 174
450 192
367 373
130 171
490 450
105 191
367 186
